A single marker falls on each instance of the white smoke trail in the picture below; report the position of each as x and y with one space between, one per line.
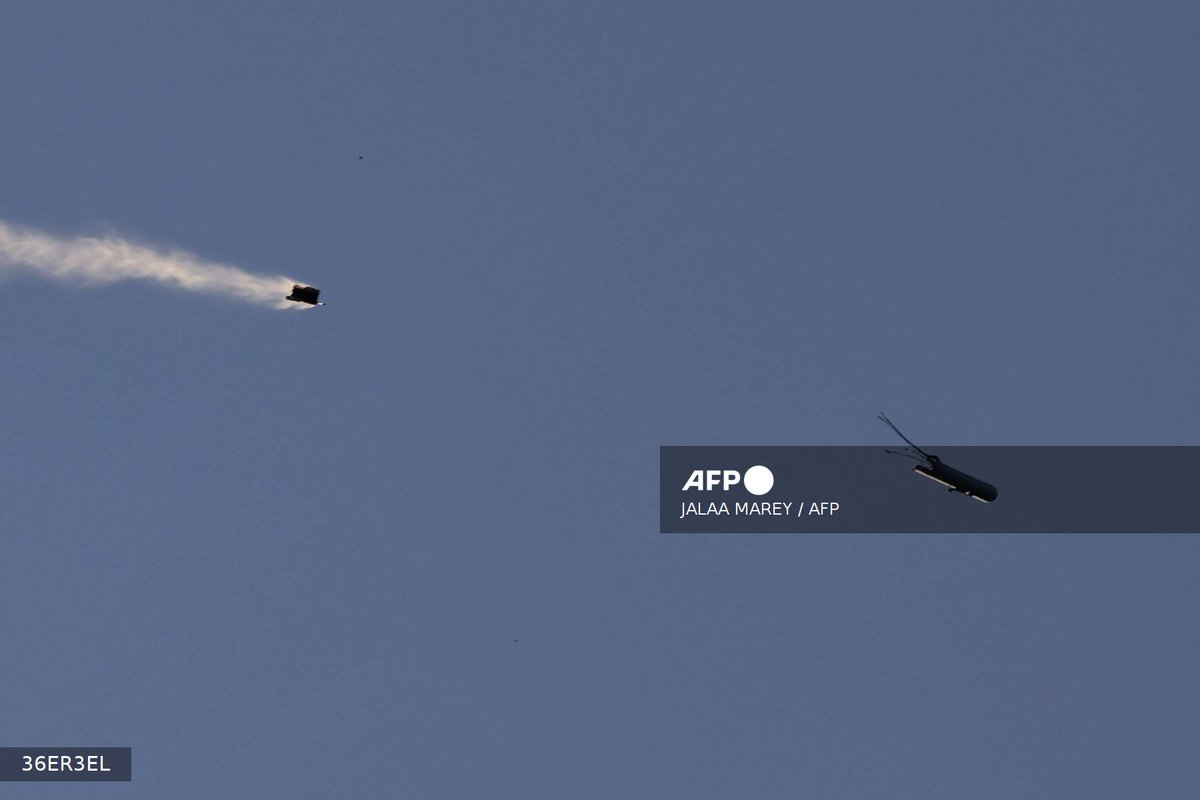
92 261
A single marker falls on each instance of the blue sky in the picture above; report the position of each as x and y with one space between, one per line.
288 554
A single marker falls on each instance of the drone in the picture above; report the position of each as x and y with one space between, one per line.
935 469
305 294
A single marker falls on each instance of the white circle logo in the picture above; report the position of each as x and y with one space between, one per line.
758 480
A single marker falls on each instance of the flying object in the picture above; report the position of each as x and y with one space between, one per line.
935 469
305 294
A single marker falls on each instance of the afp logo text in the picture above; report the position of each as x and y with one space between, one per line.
758 480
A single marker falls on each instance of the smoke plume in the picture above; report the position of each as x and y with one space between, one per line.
93 261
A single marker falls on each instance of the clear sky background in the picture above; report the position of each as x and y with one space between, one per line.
287 555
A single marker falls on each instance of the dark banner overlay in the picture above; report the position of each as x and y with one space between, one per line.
866 490
66 764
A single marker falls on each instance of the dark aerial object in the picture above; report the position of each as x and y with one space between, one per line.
932 467
305 294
